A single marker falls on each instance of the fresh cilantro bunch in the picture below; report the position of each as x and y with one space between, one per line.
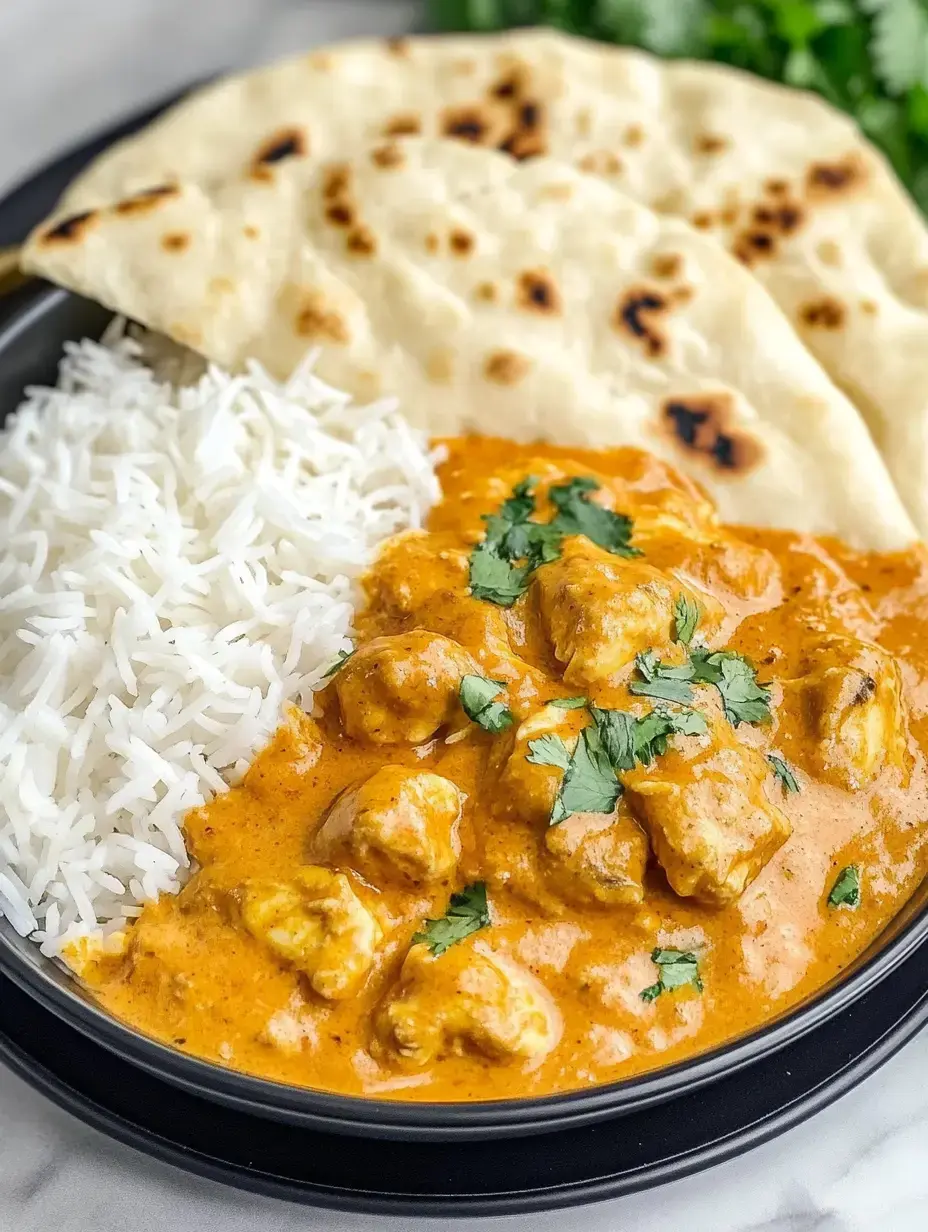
868 57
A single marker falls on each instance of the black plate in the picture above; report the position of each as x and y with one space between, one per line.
820 1054
468 1178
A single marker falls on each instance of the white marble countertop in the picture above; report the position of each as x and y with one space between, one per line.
68 69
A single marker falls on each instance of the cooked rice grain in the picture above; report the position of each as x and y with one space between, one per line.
175 565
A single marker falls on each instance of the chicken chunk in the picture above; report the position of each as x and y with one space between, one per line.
317 923
402 688
526 789
413 566
399 824
706 811
596 858
600 610
853 711
470 999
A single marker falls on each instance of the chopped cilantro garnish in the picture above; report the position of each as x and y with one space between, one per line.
783 772
340 660
494 578
627 739
664 690
548 751
514 546
578 515
677 968
743 699
568 703
477 694
685 619
467 913
589 784
846 890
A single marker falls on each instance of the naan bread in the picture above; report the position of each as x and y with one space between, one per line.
777 176
519 299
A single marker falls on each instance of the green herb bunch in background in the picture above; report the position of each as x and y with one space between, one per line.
868 57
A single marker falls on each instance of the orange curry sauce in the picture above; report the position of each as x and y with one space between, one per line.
547 997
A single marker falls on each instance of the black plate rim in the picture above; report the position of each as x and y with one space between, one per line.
367 1201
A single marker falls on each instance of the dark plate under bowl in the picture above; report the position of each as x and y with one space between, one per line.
35 322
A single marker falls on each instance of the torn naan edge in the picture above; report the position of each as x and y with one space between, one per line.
517 299
777 176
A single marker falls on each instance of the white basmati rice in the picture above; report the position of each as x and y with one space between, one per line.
175 565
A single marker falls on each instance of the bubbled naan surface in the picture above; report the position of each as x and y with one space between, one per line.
519 299
778 177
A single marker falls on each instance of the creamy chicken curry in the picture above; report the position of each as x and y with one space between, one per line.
602 785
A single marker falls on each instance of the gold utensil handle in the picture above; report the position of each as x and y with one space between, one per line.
11 276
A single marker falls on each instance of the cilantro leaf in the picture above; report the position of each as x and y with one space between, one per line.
568 703
743 699
665 690
340 660
494 578
578 515
548 751
686 614
617 736
677 968
477 694
589 784
627 739
467 912
783 772
846 890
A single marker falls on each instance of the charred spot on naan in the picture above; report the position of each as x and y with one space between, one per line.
536 291
70 230
285 143
703 220
406 125
470 122
506 367
361 241
340 214
710 143
601 162
667 265
703 425
633 136
824 313
147 199
637 314
830 181
315 320
461 241
336 181
782 218
776 187
176 241
388 156
487 292
527 138
754 245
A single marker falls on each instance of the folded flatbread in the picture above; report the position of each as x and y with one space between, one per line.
778 177
519 299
